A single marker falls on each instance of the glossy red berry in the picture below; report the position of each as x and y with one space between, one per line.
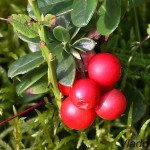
111 105
74 117
105 69
85 93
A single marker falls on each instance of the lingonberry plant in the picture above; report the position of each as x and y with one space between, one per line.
79 65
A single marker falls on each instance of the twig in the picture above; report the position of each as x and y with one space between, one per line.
3 19
22 113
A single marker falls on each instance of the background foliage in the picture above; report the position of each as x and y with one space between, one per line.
43 129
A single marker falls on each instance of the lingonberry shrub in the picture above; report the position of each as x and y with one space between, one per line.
58 33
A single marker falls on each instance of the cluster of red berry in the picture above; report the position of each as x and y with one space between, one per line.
94 94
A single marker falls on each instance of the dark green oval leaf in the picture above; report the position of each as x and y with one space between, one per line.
28 40
61 34
84 44
83 11
25 64
66 68
110 14
56 48
65 21
30 78
133 95
56 7
40 87
23 24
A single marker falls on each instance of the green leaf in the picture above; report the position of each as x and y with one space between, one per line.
84 44
56 48
56 7
30 78
66 68
40 87
61 34
25 64
27 39
133 95
143 130
49 20
83 11
75 53
110 13
23 24
27 97
63 20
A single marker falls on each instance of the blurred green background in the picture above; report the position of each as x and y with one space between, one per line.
130 42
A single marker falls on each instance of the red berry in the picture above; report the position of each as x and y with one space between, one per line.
105 69
85 93
74 117
111 105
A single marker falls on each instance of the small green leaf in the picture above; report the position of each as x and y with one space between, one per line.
28 40
30 78
65 21
27 97
143 130
61 34
110 14
51 19
48 21
56 7
83 11
56 48
84 44
75 53
25 64
66 68
23 24
40 87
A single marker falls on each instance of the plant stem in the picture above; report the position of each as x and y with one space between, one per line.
129 126
35 9
3 19
22 113
46 52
